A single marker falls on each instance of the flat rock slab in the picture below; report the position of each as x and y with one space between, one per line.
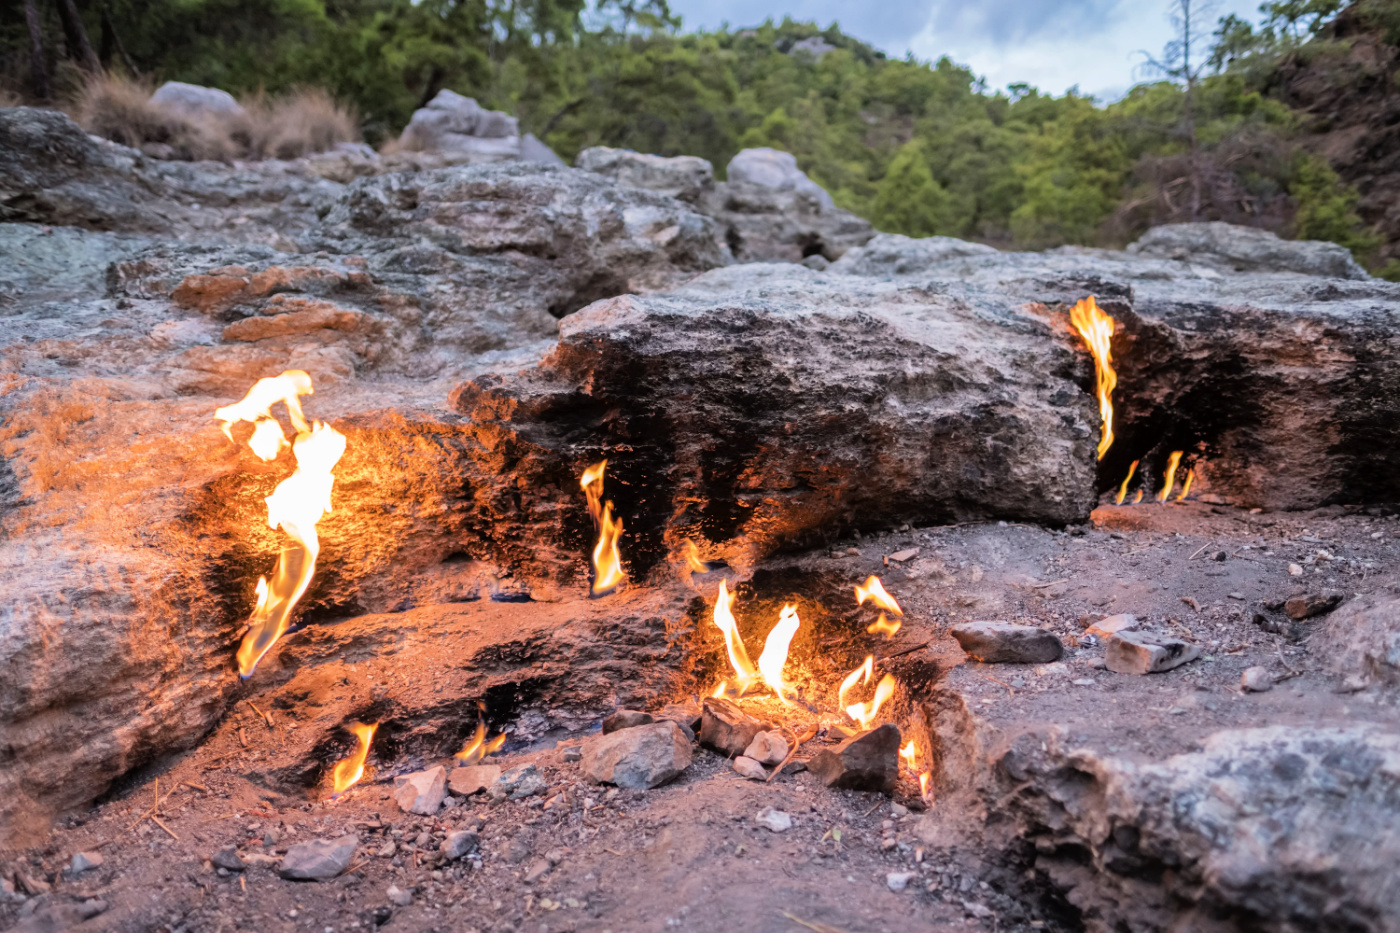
1007 643
1313 604
726 728
319 859
1147 653
421 792
472 779
639 758
867 762
1108 627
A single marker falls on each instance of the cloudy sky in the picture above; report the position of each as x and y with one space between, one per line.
1051 44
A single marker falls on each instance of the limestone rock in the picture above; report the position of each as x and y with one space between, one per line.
726 728
1313 604
1256 680
638 758
472 779
459 126
625 719
1361 640
1007 643
318 860
867 762
771 168
768 748
532 149
85 861
422 791
746 767
1245 249
893 254
683 177
398 896
459 843
760 224
227 859
1147 653
194 101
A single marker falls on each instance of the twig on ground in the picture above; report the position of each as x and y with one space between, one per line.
157 820
1008 687
815 925
792 753
901 653
1041 586
1199 550
265 716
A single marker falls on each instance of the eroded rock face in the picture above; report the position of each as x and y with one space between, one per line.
683 177
764 224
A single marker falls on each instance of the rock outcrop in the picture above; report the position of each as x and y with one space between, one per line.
463 131
1228 247
777 171
683 177
195 101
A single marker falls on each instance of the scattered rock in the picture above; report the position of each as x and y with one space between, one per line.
398 896
747 767
1147 653
91 908
867 762
1313 604
685 714
1234 248
626 719
638 758
900 557
899 880
775 820
1112 625
83 861
472 779
319 859
458 126
194 101
1256 680
1294 570
893 254
227 859
572 753
458 843
518 783
261 860
768 748
1007 643
537 870
421 792
726 728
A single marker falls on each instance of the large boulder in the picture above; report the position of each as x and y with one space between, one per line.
684 177
776 170
459 127
1245 249
193 101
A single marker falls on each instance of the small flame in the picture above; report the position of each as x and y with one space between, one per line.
693 562
1123 490
1186 486
350 770
861 674
1172 462
864 713
874 591
1097 330
883 626
1137 498
744 674
775 651
910 754
608 574
295 506
477 747
924 778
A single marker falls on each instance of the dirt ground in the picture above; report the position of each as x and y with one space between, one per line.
690 855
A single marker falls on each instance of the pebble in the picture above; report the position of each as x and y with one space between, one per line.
898 880
398 896
421 792
83 861
747 767
319 859
538 869
458 844
518 783
573 753
1147 653
227 859
774 820
1294 570
767 748
1256 680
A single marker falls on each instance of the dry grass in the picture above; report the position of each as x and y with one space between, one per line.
285 127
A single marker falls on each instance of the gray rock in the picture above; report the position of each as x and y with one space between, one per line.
227 859
472 779
771 168
398 896
625 719
572 753
639 758
768 748
459 126
319 859
748 768
899 880
893 254
1256 680
1147 653
1245 249
532 149
815 46
684 177
726 728
773 820
195 102
85 861
866 762
760 224
459 843
1007 643
1361 640
422 791
518 783
537 870
1313 604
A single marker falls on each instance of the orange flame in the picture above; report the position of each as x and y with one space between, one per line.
608 574
350 770
693 562
874 591
864 713
861 674
924 778
910 754
775 651
295 506
477 747
1123 490
1172 462
744 674
1137 498
883 626
1186 486
1097 330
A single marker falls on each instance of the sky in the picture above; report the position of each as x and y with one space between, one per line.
1050 44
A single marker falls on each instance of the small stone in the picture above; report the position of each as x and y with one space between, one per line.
537 870
398 896
774 820
750 769
227 859
1294 570
767 748
726 728
868 761
91 908
898 880
686 714
900 557
319 859
573 753
555 856
1256 680
83 861
472 779
421 792
639 758
515 851
423 839
1147 653
1107 628
458 844
626 719
1313 604
852 552
518 783
1007 643
387 850
261 860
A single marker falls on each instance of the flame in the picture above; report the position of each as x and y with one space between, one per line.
693 562
1186 486
910 754
883 626
295 506
1123 490
348 771
861 674
477 747
1097 330
864 713
744 674
775 651
1137 498
1172 463
924 778
608 574
874 591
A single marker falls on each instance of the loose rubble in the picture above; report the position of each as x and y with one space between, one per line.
1007 643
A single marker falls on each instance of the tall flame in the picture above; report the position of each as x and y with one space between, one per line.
1123 490
775 651
910 753
608 574
874 591
1186 486
1172 462
744 674
1097 330
477 747
350 770
295 506
861 675
864 713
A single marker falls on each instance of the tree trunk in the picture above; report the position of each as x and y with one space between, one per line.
110 34
38 68
78 45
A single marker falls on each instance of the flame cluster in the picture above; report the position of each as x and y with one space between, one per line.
608 574
771 662
1168 482
874 591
